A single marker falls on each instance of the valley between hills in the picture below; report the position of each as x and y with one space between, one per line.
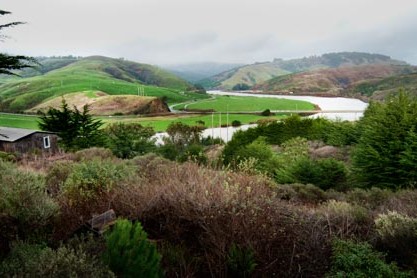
126 89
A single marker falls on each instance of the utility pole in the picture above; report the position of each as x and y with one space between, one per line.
227 123
141 91
212 128
220 125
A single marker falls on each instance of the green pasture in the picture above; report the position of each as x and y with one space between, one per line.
161 123
246 104
19 121
158 123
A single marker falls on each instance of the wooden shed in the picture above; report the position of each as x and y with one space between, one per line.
23 141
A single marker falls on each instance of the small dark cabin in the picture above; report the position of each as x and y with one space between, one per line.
22 141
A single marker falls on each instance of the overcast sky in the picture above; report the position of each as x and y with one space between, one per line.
182 31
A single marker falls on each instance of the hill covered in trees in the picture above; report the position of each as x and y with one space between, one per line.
261 72
342 81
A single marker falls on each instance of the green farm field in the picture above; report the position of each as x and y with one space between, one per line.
158 123
246 104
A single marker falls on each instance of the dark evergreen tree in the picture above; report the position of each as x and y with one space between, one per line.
386 151
129 253
76 129
9 63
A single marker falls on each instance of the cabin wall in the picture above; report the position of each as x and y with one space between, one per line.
33 143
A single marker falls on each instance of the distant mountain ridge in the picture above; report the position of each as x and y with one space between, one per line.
194 72
260 72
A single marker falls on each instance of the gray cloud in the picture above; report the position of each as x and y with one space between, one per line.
166 31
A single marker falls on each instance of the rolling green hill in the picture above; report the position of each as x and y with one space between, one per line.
96 73
260 72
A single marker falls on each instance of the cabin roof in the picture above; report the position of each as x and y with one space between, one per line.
10 134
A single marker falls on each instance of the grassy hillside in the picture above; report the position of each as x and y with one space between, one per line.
253 74
261 72
111 76
332 81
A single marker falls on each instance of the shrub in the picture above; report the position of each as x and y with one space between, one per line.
240 262
262 152
28 260
236 123
129 253
90 179
93 153
398 235
370 198
324 173
178 261
23 196
354 260
7 156
241 87
266 113
346 220
57 175
169 151
207 141
181 135
302 193
194 153
129 140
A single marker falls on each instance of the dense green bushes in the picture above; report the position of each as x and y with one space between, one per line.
354 260
90 179
385 155
278 133
324 173
129 140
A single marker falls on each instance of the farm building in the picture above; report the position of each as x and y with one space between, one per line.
22 141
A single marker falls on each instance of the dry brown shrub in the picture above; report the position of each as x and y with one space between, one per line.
301 193
206 211
403 202
93 153
209 210
345 220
